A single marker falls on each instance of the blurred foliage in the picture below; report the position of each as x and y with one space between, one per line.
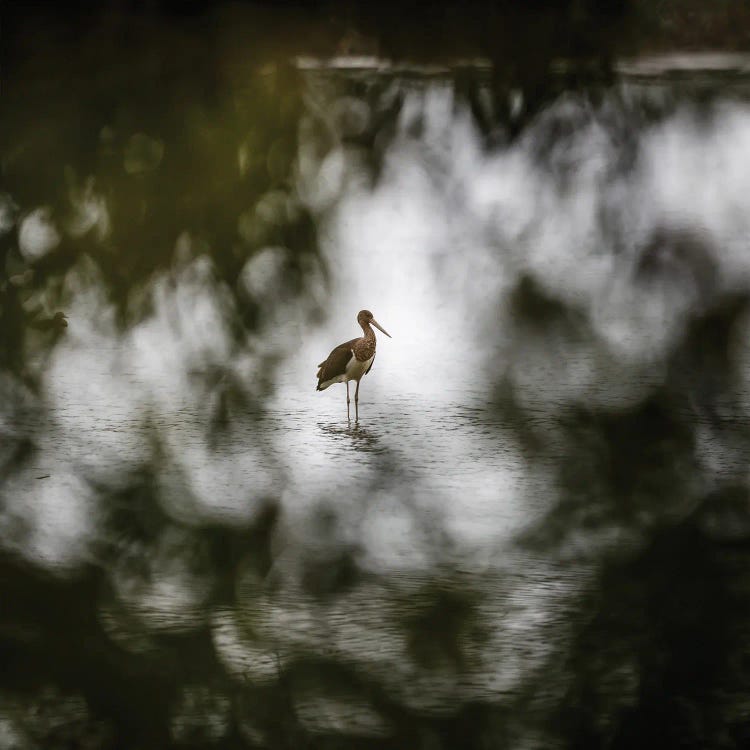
129 146
138 137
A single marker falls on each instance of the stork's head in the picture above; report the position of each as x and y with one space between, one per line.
365 318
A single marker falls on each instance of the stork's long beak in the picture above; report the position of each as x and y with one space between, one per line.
380 328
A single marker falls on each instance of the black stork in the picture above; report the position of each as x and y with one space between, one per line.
351 360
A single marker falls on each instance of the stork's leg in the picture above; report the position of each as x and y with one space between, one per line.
347 399
356 402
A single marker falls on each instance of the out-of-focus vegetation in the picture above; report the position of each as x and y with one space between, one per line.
150 165
124 132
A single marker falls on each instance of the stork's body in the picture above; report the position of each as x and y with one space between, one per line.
351 360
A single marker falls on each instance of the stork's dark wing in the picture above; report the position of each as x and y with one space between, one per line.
336 363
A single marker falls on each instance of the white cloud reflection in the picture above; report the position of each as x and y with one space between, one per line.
38 234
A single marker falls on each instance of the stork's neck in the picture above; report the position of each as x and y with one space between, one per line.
369 333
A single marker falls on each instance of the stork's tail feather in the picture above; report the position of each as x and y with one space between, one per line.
323 384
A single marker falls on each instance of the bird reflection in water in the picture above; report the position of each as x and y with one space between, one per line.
361 438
